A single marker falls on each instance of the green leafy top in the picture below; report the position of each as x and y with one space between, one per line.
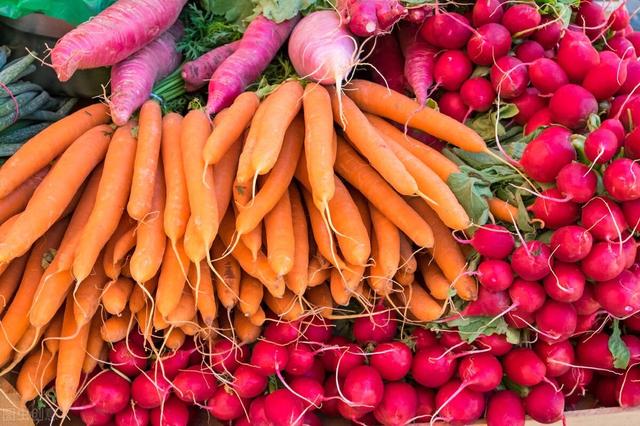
617 347
240 12
472 327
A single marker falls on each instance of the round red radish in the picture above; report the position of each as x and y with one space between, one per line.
269 357
586 323
556 321
432 368
628 388
529 103
488 303
591 17
575 381
392 360
505 408
399 404
225 405
633 344
423 338
194 384
547 76
604 262
576 182
557 357
226 356
619 19
495 275
477 93
480 372
532 260
606 78
342 357
493 241
622 47
363 387
604 219
565 283
496 343
622 179
537 120
631 211
587 304
576 55
282 332
316 371
633 78
300 359
620 296
553 210
452 104
150 389
489 43
529 51
571 105
519 319
93 417
614 125
109 392
331 395
257 413
524 367
529 296
312 392
544 404
465 407
130 360
133 415
426 402
451 69
486 12
549 32
379 327
605 391
509 77
172 413
547 154
600 146
451 340
521 19
317 330
447 30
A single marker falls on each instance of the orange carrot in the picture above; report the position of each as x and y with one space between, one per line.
288 307
116 295
386 239
382 101
230 127
17 200
420 304
363 208
344 283
204 294
246 331
408 261
37 371
433 278
404 278
87 296
320 299
251 292
111 200
116 328
227 288
253 238
146 160
502 210
297 279
120 243
245 169
55 192
95 344
142 295
51 336
190 328
174 338
185 311
159 323
10 279
279 234
144 318
258 318
223 176
323 239
319 270
173 275
43 148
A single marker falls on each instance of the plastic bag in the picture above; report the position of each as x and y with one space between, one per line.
74 12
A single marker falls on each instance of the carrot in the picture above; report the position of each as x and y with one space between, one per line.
435 281
245 330
321 300
116 328
344 283
44 147
223 176
297 278
173 275
323 239
144 319
319 270
379 100
150 240
502 210
185 311
159 323
176 209
17 200
37 371
281 107
253 238
15 321
365 179
120 243
280 239
95 344
204 294
57 278
110 201
200 187
371 144
408 262
363 208
447 253
420 304
288 307
51 336
236 118
245 169
319 143
174 338
141 295
276 184
433 189
386 258
10 279
228 268
71 354
258 318
404 278
251 293
116 295
55 192
87 296
146 160
28 341
190 328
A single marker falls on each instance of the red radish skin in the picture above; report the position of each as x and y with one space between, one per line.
632 144
633 78
269 357
367 18
604 262
565 283
387 63
614 125
109 392
495 275
432 368
379 327
571 105
629 250
419 62
576 55
529 296
226 356
173 413
489 43
593 351
553 211
301 358
544 404
591 17
604 219
621 181
486 12
549 32
631 211
622 47
620 296
496 343
399 404
363 387
92 417
505 408
539 119
465 407
392 360
557 357
426 402
480 372
601 145
344 358
587 304
452 340
493 241
316 371
519 319
577 182
257 413
423 338
225 405
619 19
196 73
547 76
524 367
628 388
330 405
113 35
633 344
606 78
388 13
509 77
532 261
282 332
488 303
575 381
150 389
547 154
312 392
529 103
452 68
477 93
447 30
452 104
529 51
129 360
194 384
604 391
521 19
316 330
260 43
133 415
556 321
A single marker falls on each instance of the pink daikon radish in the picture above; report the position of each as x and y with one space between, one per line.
132 79
196 73
113 35
259 45
418 62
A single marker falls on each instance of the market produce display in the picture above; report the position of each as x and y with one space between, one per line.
378 211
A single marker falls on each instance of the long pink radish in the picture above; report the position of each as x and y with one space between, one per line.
418 62
196 73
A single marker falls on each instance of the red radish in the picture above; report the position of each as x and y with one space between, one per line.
452 68
310 419
539 119
488 303
225 404
173 413
257 414
521 19
331 395
529 51
432 368
423 338
556 321
196 73
632 144
489 43
629 250
549 32
619 19
577 182
311 391
387 63
586 323
519 319
417 15
631 211
604 219
571 105
591 18
316 371
497 344
392 360
544 404
226 356
628 388
448 30
505 408
300 359
509 77
367 18
621 179
316 330
194 384
557 357
633 323
451 340
524 367
633 77
269 357
605 262
529 296
260 43
606 78
170 364
150 389
426 402
111 36
576 55
614 125
551 209
495 275
418 62
529 103
547 154
532 260
282 332
133 415
363 388
620 296
344 358
633 344
587 304
459 406
600 146
575 381
129 360
378 327
546 75
622 47
108 392
452 104
493 241
399 404
480 372
93 417
565 283
132 79
486 11
627 109
605 391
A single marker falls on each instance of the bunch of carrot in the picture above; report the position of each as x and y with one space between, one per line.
302 201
